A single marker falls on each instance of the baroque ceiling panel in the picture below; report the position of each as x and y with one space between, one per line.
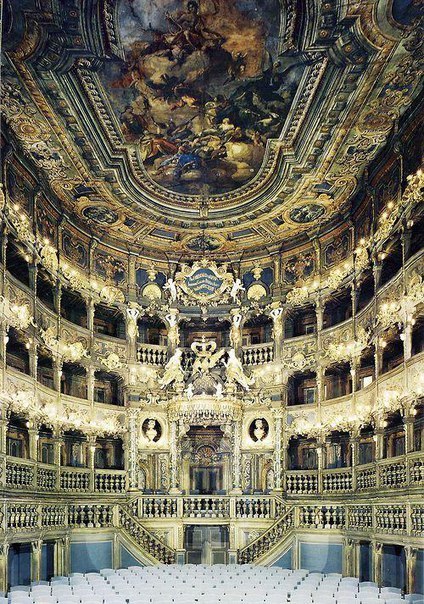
208 125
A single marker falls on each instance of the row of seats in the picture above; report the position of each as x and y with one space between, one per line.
192 584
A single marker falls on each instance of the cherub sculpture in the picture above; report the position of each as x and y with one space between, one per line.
172 288
236 288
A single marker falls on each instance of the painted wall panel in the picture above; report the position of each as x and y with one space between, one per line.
419 572
19 564
47 561
128 559
90 556
365 561
321 557
393 566
285 561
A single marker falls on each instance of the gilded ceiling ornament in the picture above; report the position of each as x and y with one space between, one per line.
256 292
152 291
205 283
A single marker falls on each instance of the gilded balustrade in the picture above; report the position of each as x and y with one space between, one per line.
258 354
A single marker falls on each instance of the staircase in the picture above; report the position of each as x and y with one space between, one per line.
277 535
153 548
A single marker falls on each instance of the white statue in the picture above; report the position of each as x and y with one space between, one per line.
172 288
151 432
173 331
189 392
219 391
206 357
276 315
236 288
235 373
259 431
173 370
235 331
132 315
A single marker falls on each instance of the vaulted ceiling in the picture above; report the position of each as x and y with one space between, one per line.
208 125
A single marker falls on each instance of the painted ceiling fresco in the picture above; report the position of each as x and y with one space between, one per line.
201 88
206 126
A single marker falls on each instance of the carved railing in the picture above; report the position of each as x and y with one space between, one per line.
75 479
390 519
277 533
110 481
206 507
157 507
301 482
322 516
366 477
46 477
90 516
392 474
198 506
255 507
258 354
152 354
337 481
148 542
19 474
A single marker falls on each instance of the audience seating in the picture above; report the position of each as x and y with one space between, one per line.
192 584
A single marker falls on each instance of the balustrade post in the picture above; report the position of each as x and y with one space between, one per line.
377 555
407 339
411 561
4 551
36 547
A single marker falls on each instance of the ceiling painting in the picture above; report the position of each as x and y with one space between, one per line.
201 89
204 126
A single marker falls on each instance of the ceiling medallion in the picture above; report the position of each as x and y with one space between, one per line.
306 213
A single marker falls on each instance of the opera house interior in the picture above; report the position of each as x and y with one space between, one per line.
212 302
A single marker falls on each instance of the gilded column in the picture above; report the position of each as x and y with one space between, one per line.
36 547
33 440
377 556
408 424
278 415
4 551
90 383
348 557
320 457
131 449
354 446
411 561
132 315
277 316
173 458
91 444
236 490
